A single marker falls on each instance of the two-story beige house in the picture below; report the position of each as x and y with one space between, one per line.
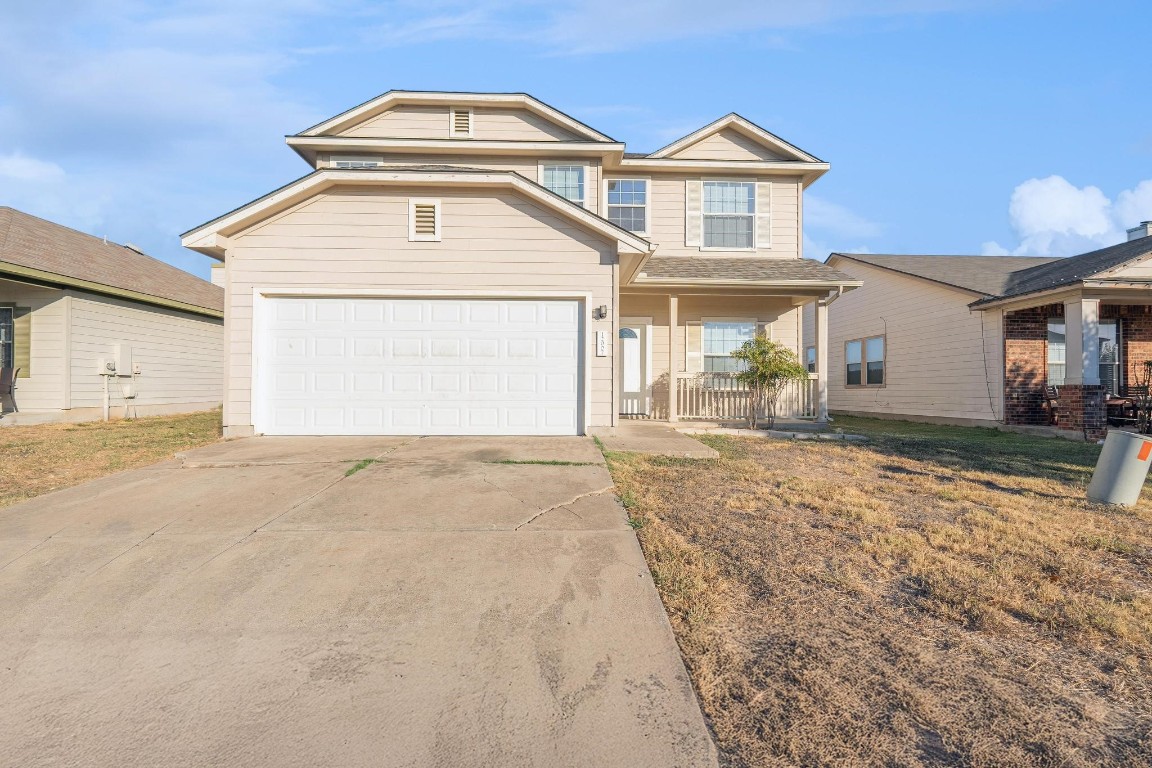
482 263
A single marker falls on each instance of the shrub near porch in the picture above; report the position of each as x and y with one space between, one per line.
938 596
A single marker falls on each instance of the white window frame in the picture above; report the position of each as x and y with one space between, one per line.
647 200
356 161
452 132
756 212
415 237
584 169
704 321
864 360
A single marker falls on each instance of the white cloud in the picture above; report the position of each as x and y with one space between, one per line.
835 219
1053 217
19 167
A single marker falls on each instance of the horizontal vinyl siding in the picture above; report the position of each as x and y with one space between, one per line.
181 356
43 389
354 238
432 122
938 363
726 145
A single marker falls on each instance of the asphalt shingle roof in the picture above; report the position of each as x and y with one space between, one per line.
989 275
28 241
1074 269
704 268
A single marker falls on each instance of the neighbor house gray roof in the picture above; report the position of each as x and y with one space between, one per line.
1074 269
989 275
767 270
31 247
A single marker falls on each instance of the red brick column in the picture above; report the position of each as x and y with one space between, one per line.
1026 364
1082 409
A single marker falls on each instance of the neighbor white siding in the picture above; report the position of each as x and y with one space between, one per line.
43 387
942 360
356 239
180 355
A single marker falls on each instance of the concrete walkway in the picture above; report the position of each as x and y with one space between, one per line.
655 437
252 604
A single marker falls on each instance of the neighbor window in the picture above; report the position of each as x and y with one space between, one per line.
565 180
721 339
729 214
810 359
864 362
628 204
7 339
1108 332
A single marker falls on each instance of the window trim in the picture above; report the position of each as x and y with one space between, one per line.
756 212
452 132
811 348
647 200
584 169
863 340
413 235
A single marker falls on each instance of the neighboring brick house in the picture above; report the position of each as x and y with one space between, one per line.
976 339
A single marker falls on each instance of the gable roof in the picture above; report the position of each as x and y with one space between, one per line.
211 237
744 126
384 101
46 252
1075 269
986 275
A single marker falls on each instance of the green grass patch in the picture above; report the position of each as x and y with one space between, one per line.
359 466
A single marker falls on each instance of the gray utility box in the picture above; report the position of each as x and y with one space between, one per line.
1121 469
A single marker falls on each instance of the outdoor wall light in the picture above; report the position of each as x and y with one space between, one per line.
600 313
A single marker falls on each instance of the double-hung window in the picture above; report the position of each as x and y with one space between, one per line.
628 204
7 338
864 362
720 339
729 215
565 180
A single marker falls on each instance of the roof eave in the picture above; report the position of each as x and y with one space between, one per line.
64 281
847 285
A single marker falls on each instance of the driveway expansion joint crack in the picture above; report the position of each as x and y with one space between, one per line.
566 503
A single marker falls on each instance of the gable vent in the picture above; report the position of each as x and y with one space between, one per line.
423 220
461 122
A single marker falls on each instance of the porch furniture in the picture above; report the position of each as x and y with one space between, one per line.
1052 403
1141 406
1120 411
8 388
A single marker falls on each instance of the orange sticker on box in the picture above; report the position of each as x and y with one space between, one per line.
1145 451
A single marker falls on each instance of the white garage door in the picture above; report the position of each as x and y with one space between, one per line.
418 367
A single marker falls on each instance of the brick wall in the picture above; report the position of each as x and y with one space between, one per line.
1082 409
1026 364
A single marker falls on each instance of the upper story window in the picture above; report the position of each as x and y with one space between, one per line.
864 360
565 180
729 215
628 204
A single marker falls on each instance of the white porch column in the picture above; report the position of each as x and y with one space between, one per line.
673 355
820 326
1082 341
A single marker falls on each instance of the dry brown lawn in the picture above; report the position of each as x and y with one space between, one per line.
935 597
43 458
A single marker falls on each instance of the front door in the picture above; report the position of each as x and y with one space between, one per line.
633 349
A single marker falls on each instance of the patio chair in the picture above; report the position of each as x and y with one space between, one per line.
1052 403
8 388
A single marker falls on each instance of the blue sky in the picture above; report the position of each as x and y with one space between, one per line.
952 126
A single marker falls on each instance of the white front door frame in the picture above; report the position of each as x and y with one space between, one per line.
644 323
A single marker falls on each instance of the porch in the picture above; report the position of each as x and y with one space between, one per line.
1089 351
674 354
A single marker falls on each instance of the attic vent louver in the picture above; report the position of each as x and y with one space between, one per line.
424 220
461 122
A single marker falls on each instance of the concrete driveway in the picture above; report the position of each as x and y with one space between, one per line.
250 604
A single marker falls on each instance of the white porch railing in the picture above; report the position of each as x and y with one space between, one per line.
721 396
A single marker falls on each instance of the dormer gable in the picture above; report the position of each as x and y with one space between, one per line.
734 138
426 115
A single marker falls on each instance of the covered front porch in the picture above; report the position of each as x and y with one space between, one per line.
1078 363
674 353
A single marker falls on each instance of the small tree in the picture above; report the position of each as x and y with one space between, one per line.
768 368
